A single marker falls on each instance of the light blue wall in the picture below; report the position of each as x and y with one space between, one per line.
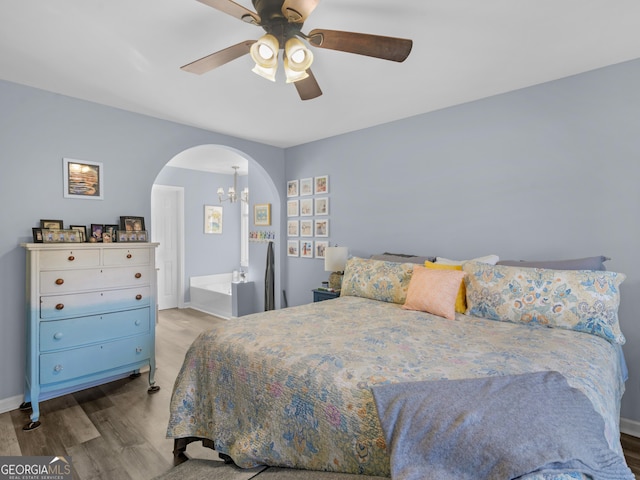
38 129
547 172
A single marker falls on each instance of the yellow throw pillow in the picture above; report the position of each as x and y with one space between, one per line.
434 291
461 299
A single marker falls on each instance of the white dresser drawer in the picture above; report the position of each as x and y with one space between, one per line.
59 334
69 258
78 362
90 303
67 281
127 256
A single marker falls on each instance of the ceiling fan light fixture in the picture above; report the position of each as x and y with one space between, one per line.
265 53
293 75
299 57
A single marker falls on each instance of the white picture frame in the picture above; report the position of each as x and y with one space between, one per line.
306 228
306 248
306 207
293 228
321 248
83 179
306 186
321 185
322 227
292 188
322 206
293 248
213 215
293 209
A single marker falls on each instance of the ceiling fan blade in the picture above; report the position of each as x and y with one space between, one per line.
387 48
235 10
297 11
205 64
308 88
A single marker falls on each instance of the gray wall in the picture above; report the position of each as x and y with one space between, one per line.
547 172
38 129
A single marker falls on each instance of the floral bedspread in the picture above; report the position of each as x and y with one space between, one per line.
291 387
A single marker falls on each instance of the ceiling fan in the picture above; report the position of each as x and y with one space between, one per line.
283 21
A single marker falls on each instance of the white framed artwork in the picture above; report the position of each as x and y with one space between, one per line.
292 208
293 248
292 228
306 228
321 248
306 207
322 206
306 186
306 248
322 228
292 188
321 185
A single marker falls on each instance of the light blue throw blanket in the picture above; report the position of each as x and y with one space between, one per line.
494 428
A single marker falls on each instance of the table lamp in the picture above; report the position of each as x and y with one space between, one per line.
335 259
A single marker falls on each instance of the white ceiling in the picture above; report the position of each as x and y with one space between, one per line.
127 54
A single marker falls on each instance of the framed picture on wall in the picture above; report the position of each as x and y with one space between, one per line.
292 208
322 206
322 228
321 247
306 228
306 207
306 249
292 228
292 188
213 219
292 248
83 179
321 184
262 214
306 186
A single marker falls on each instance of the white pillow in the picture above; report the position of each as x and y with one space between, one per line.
490 259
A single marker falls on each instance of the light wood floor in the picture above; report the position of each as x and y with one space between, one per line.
117 431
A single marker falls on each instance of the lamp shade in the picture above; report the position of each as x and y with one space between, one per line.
265 53
335 259
298 55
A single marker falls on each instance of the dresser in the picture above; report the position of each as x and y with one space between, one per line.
91 315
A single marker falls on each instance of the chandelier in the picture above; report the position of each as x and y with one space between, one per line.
232 195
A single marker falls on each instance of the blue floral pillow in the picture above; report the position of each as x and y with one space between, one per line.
377 280
581 300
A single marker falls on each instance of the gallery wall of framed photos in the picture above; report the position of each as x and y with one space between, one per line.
308 219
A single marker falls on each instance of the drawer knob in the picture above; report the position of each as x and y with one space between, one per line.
138 297
137 322
129 255
57 335
59 281
57 368
138 349
71 258
138 275
60 306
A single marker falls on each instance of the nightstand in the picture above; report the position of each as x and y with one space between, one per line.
320 295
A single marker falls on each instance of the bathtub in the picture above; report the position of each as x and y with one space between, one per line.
218 295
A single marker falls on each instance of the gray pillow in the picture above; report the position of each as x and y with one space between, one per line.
588 263
402 258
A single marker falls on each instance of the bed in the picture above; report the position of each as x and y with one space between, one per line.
294 387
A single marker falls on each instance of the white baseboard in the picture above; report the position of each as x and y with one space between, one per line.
11 403
630 427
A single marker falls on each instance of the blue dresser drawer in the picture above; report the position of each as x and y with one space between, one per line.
79 362
82 304
74 332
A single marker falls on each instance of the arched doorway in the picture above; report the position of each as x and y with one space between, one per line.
189 182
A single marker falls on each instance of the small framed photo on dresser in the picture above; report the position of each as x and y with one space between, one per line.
82 231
